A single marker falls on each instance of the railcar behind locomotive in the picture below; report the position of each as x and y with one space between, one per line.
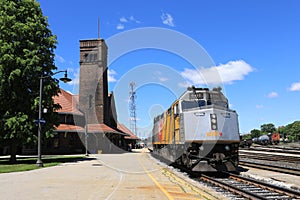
198 131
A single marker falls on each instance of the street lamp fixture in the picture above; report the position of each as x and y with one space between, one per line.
65 79
40 121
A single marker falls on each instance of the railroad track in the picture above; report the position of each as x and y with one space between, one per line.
246 188
280 169
275 149
238 187
270 157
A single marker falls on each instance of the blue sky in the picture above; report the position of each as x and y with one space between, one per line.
254 46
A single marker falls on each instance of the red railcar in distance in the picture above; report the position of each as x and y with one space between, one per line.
275 138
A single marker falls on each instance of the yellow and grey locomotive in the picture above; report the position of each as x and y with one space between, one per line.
198 131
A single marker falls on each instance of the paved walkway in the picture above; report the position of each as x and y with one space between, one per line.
110 176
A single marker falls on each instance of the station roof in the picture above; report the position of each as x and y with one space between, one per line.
69 128
69 105
103 128
68 102
124 129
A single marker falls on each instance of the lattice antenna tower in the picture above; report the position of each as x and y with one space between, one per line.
132 107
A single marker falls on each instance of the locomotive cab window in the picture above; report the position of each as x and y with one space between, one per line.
186 105
176 109
218 99
169 111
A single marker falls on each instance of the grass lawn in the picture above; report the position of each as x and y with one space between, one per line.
29 163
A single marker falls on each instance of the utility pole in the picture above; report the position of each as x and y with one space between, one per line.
132 107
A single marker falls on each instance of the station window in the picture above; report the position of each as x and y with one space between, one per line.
90 57
90 101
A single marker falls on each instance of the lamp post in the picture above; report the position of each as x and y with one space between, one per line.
65 79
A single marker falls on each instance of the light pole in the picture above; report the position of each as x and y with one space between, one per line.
65 79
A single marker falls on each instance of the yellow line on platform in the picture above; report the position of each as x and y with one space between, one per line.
192 187
156 182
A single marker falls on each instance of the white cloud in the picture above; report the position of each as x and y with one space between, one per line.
272 95
162 79
59 58
223 73
75 79
184 84
295 87
259 106
123 19
158 75
120 26
132 18
167 19
110 76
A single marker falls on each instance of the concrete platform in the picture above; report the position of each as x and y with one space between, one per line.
110 176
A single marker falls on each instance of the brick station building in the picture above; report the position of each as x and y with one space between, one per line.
74 133
91 116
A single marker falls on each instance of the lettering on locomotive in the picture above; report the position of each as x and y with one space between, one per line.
213 133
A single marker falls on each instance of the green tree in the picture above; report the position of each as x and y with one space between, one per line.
26 53
267 128
255 133
292 131
247 136
280 130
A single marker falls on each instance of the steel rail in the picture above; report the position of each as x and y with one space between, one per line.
269 157
231 188
279 191
275 150
275 188
270 167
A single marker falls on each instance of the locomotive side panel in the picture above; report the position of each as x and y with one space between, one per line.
158 132
165 133
155 131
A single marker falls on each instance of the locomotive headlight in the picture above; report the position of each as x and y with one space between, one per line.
201 148
227 148
213 121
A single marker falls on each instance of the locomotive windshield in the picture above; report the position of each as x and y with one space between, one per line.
217 99
204 98
192 104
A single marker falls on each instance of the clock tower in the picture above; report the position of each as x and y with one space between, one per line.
93 88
